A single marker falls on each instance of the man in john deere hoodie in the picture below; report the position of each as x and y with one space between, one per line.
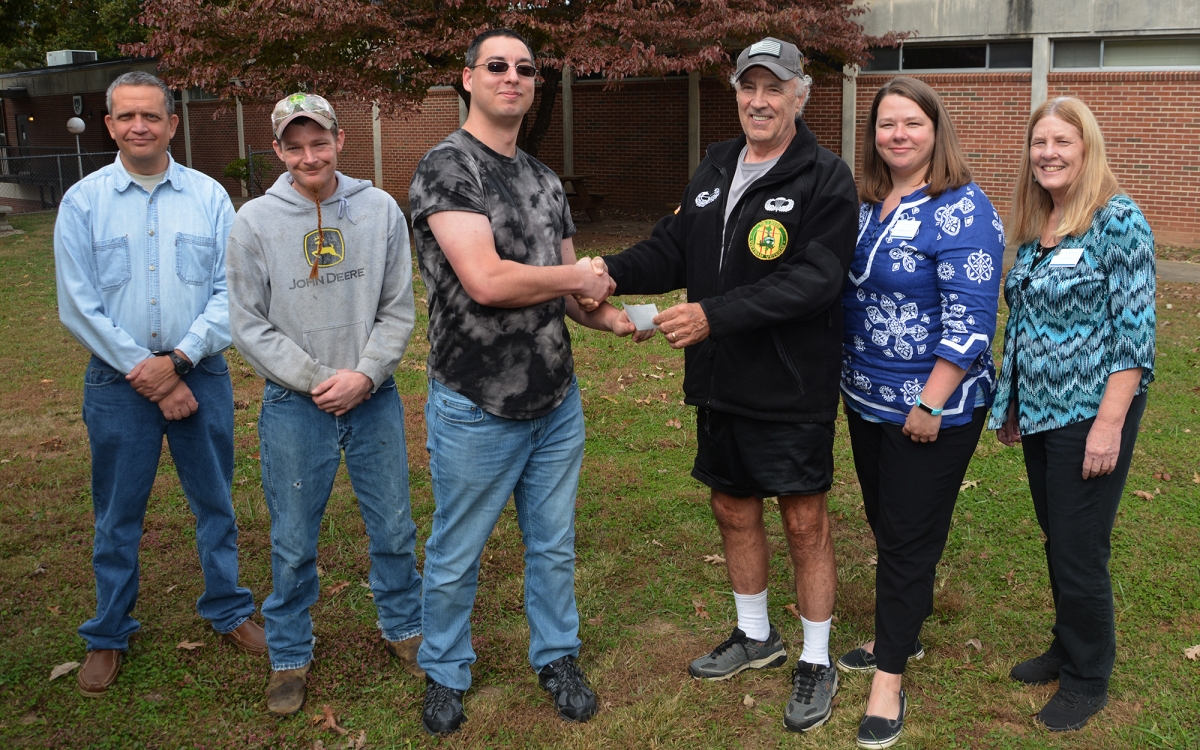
321 305
762 242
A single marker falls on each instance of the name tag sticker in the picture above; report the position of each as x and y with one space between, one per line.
905 229
1067 257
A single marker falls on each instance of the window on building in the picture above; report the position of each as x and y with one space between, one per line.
1127 53
962 56
200 95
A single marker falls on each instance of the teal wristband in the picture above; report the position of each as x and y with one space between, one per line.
928 408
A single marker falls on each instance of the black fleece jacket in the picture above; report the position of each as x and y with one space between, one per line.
774 350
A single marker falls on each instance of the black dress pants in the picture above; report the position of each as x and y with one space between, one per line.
1077 517
909 490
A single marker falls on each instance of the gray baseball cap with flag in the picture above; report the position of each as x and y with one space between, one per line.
782 58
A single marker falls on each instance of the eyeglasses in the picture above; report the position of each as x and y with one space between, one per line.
499 66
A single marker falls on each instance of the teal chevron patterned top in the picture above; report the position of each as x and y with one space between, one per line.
1071 325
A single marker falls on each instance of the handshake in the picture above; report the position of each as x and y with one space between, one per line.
683 325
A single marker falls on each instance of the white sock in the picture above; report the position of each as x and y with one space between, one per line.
752 615
816 642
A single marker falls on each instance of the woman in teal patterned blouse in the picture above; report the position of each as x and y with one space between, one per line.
1078 358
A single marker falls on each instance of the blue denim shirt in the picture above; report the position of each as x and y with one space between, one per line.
142 272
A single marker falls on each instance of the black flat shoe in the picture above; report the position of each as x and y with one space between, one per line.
875 732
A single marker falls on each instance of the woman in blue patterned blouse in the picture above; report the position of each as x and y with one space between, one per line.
917 375
1078 358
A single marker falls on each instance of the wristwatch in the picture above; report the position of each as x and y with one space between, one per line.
928 408
182 366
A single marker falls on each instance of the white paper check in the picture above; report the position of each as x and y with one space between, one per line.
642 316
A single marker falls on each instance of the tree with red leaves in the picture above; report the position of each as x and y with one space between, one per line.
391 51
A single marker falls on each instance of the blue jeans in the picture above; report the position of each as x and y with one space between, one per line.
126 432
301 448
476 461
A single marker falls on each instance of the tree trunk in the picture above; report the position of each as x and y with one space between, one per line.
530 138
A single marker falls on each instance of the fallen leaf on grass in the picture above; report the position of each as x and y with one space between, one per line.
357 743
1162 476
255 457
336 588
1196 477
714 559
974 642
675 423
701 612
872 560
597 620
55 610
330 720
748 701
793 610
1192 653
38 570
63 669
1009 577
1143 494
190 645
53 444
968 484
47 380
656 543
172 587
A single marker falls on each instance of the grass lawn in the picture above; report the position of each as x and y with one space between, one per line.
649 601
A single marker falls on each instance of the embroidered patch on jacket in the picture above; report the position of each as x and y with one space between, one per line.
768 239
332 250
780 205
705 198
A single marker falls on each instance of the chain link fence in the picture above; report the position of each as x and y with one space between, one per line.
44 174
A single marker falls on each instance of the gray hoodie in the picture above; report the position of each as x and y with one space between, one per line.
356 315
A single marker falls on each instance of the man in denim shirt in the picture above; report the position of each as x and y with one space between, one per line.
139 250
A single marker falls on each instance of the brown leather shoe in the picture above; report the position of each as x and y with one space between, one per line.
406 652
286 691
99 671
249 637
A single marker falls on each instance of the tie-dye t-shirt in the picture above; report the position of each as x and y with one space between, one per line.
514 363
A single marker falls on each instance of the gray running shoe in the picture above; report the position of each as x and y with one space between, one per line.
813 689
739 653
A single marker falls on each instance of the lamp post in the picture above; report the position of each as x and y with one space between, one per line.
76 126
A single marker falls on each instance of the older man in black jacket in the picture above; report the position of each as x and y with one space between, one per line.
762 241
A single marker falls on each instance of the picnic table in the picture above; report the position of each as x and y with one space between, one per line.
580 198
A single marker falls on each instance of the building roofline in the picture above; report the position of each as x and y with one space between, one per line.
95 65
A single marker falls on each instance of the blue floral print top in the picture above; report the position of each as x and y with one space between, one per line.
1072 324
925 283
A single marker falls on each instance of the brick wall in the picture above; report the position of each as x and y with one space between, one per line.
1151 126
632 141
989 111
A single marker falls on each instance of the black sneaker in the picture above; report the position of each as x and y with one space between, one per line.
1040 670
443 713
862 660
875 732
567 685
739 653
813 689
1069 710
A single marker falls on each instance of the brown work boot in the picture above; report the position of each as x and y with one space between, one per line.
249 637
286 691
406 652
99 671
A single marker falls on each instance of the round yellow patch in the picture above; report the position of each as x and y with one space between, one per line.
768 239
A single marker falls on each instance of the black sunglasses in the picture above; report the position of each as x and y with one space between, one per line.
499 66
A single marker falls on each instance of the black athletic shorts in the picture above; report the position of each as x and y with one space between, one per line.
746 457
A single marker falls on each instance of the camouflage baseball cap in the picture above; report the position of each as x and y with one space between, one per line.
299 105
